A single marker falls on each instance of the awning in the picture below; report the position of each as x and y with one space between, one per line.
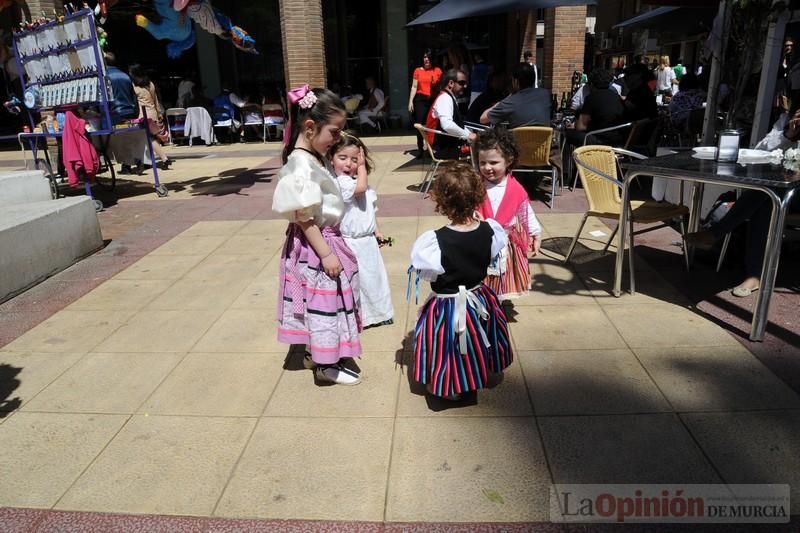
675 18
459 9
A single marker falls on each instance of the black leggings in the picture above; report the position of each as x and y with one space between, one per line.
422 104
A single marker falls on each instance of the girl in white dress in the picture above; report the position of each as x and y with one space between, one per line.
318 294
359 227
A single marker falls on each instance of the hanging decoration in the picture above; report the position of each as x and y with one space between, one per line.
174 27
217 23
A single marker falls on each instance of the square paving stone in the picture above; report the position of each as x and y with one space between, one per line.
162 465
467 469
70 332
160 331
321 468
242 330
263 227
376 395
554 284
105 383
218 267
122 294
24 375
190 245
723 378
642 448
219 384
160 267
508 396
260 294
46 452
214 227
590 382
266 245
654 325
651 288
189 294
751 447
564 327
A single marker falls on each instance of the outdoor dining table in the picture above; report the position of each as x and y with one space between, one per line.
773 180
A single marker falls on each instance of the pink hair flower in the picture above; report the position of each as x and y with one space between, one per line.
308 101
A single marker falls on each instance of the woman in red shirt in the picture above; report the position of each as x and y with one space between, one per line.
423 88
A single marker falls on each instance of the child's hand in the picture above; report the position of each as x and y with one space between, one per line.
381 239
477 216
362 161
332 265
536 243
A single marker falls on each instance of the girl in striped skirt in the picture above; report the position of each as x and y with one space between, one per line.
462 337
507 203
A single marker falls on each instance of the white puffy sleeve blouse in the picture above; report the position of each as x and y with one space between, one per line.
307 191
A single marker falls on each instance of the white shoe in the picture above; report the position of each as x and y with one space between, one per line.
337 374
308 363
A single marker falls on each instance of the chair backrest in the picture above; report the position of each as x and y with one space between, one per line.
176 117
221 114
534 145
601 192
643 136
272 110
424 132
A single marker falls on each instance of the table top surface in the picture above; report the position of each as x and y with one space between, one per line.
684 164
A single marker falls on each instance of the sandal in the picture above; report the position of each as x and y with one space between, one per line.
743 292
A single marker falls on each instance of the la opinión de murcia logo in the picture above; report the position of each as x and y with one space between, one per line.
689 503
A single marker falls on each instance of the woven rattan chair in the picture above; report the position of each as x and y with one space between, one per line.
435 161
534 144
598 171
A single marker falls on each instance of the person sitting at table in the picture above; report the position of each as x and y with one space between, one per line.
525 106
755 207
375 103
602 109
445 116
640 101
690 97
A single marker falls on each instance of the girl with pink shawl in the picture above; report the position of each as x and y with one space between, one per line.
507 202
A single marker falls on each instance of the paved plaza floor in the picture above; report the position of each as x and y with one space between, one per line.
146 380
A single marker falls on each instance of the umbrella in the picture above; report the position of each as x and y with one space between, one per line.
459 9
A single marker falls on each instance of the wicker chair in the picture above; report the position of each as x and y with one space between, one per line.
598 170
534 153
435 161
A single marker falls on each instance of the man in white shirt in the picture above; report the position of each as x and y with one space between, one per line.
445 112
531 60
375 103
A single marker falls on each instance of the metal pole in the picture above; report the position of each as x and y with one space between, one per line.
709 124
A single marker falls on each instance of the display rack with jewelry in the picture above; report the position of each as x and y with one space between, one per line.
62 70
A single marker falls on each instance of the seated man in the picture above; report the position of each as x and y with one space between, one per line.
445 115
375 104
525 106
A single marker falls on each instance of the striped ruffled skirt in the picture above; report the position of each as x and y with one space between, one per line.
450 362
515 281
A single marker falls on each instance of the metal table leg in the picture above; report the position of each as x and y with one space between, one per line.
769 268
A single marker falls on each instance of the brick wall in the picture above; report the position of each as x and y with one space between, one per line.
303 42
564 35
